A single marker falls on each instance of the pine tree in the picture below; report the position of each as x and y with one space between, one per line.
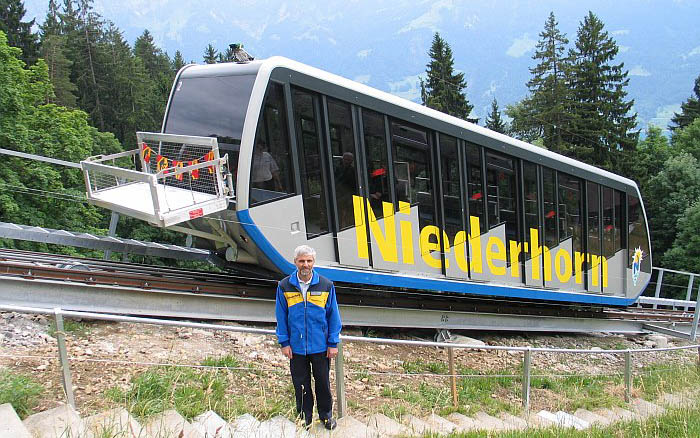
19 33
178 62
53 50
602 126
494 121
210 54
154 60
546 106
690 109
444 90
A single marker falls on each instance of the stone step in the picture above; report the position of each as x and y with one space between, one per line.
245 426
170 424
348 427
58 422
673 400
488 422
211 425
564 419
543 419
387 427
114 423
415 425
644 408
10 424
591 417
624 414
463 422
440 425
512 422
278 427
615 414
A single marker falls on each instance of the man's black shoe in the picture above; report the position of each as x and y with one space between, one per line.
329 423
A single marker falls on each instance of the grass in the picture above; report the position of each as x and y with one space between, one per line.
21 391
656 379
70 326
420 366
227 361
585 392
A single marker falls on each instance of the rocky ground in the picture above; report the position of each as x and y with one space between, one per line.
107 355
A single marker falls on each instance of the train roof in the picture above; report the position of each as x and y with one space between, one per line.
265 67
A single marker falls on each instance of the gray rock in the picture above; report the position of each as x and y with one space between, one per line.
591 417
10 424
55 423
212 426
170 424
386 426
463 422
489 422
440 425
459 339
115 423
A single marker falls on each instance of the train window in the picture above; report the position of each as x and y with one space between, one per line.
620 237
475 190
608 223
550 208
313 187
344 160
502 197
212 107
377 161
272 173
531 202
412 171
449 165
638 238
593 219
570 221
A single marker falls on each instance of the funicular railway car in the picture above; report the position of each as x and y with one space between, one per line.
399 196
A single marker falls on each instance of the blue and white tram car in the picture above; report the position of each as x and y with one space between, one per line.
399 196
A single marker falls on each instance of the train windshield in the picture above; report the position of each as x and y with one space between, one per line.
213 106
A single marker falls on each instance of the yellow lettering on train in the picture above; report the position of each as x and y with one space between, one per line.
427 247
360 229
578 266
564 257
514 258
475 245
386 241
498 255
406 235
460 245
604 262
595 274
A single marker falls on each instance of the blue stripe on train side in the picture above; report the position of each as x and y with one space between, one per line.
381 279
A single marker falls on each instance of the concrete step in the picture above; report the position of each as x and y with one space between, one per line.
170 424
10 424
644 408
114 423
543 419
488 422
512 422
245 426
673 400
348 427
415 425
440 425
211 425
463 422
387 427
624 414
564 419
591 417
58 422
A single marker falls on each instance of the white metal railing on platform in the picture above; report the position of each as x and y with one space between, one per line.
339 363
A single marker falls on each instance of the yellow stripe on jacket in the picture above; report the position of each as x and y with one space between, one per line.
293 298
317 298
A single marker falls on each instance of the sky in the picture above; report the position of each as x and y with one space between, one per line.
385 43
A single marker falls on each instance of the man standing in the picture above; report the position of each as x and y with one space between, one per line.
308 330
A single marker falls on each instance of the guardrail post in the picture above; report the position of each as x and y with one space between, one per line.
453 376
690 289
63 357
340 382
657 292
526 380
696 318
628 376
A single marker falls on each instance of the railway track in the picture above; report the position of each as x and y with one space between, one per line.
105 286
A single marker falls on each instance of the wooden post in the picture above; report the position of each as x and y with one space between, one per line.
453 376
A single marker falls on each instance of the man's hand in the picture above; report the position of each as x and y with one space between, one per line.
332 352
287 351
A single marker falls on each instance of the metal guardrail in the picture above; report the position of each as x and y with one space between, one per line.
339 362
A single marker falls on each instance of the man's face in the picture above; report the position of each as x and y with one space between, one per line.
304 263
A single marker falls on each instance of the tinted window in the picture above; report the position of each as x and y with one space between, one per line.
449 164
550 208
531 202
608 223
593 219
344 160
377 161
313 186
570 220
475 185
271 174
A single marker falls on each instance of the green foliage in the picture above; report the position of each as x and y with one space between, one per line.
684 254
21 391
688 139
70 326
210 55
669 195
18 32
445 90
420 366
657 379
690 109
227 361
494 121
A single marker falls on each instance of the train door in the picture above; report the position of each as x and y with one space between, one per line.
504 244
594 262
456 242
476 202
351 225
563 264
533 226
613 242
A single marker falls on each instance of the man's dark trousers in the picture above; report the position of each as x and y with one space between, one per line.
301 367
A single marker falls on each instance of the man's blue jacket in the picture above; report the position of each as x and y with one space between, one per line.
309 326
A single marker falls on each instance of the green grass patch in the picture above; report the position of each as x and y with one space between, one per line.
587 392
419 366
656 379
227 361
72 327
21 391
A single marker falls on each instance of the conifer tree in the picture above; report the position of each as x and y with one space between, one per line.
53 50
601 127
494 121
546 107
210 54
154 59
690 109
19 33
445 90
178 62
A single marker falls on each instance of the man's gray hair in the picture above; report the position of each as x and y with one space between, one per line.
304 250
